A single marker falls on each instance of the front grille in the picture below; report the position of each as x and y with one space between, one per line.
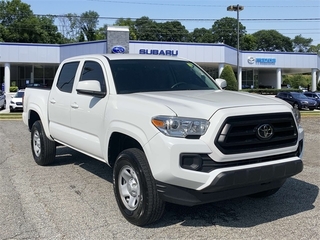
19 103
242 134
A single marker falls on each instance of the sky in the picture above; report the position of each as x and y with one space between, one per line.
289 17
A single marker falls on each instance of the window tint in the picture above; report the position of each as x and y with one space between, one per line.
19 95
66 77
158 75
93 71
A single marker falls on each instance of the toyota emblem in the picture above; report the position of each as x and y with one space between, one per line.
265 131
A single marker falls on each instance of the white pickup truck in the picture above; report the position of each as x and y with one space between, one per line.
169 131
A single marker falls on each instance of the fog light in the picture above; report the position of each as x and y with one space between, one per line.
191 161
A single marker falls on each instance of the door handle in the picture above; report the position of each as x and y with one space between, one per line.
74 105
53 101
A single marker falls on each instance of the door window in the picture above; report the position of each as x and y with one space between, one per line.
66 77
93 71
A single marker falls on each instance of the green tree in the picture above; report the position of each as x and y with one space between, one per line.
318 86
101 32
248 42
68 26
147 29
301 44
172 31
228 74
19 24
299 80
272 40
131 24
225 31
286 80
201 35
88 23
314 49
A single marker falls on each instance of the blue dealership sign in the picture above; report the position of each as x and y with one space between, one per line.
118 49
159 52
262 61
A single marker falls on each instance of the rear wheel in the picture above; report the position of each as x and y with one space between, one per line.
135 189
43 149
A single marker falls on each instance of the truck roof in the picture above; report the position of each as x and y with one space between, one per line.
128 56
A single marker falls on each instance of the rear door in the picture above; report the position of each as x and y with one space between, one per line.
59 102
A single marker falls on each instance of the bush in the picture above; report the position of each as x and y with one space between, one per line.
13 89
228 75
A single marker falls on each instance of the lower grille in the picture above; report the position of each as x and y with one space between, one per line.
242 134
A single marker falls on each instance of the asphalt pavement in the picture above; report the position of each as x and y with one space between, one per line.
73 199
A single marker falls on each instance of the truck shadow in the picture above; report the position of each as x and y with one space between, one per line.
294 197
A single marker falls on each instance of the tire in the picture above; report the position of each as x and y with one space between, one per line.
135 189
296 105
264 193
43 149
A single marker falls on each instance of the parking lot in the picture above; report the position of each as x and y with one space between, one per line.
73 199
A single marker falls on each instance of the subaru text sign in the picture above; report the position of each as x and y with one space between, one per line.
159 52
262 61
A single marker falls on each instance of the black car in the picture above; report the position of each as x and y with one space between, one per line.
315 96
298 100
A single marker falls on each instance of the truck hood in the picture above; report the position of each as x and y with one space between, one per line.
203 103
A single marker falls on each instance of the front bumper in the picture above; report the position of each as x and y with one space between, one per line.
231 184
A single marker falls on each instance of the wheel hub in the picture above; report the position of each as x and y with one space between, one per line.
132 187
129 188
36 144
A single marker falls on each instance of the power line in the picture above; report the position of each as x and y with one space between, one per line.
189 19
195 5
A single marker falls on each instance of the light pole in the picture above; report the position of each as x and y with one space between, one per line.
237 8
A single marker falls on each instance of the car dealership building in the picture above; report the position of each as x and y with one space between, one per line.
21 64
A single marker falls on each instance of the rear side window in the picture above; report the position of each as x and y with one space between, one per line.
66 77
93 71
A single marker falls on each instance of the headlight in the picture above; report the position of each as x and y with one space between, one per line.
179 126
12 102
297 115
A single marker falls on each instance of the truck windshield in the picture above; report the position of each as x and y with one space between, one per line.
158 75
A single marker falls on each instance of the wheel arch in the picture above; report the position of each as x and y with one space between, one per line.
117 143
123 135
33 116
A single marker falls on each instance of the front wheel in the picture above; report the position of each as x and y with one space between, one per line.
135 190
296 106
43 149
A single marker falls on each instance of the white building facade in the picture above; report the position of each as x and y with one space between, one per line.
21 64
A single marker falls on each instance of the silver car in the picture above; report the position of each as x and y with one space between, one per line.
3 101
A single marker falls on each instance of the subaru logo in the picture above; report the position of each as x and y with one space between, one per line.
265 131
118 49
251 60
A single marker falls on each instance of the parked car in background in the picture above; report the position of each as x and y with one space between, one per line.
3 101
16 101
298 100
315 96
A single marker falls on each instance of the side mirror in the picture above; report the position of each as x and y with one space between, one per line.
221 82
90 87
